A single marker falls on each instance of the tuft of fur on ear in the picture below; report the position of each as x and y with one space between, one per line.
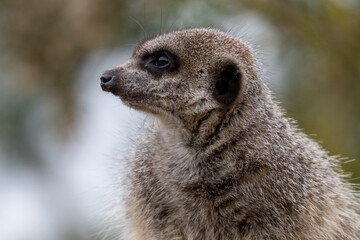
227 83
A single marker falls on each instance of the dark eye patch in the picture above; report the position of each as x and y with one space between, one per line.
159 62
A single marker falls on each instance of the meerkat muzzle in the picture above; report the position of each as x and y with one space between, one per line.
110 81
107 81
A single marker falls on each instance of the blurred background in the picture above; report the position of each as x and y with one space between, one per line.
63 142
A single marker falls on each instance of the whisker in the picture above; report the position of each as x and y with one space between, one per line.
139 24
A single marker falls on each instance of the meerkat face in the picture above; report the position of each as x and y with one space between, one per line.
188 72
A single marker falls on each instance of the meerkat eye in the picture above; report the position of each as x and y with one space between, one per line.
162 61
159 62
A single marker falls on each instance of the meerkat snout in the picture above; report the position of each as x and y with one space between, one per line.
107 79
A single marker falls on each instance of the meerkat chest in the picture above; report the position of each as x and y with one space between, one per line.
177 198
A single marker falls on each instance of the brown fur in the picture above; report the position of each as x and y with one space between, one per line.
224 169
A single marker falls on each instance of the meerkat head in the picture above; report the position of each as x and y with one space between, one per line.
183 75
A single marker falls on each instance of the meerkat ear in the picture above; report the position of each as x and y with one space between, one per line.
227 83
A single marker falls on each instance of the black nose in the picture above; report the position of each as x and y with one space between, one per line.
107 80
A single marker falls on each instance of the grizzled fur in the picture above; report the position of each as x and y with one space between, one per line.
223 162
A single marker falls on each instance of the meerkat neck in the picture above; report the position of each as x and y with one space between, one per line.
206 131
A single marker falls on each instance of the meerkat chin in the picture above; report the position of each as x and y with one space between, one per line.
223 162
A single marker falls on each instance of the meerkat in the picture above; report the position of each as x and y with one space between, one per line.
223 162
